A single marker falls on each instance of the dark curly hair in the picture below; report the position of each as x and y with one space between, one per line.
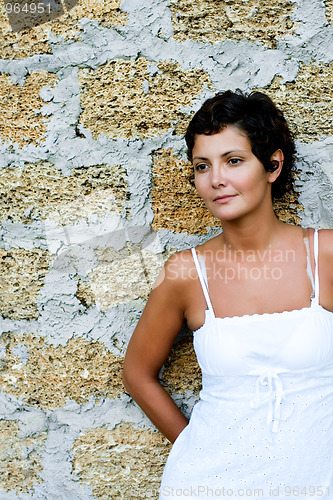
264 124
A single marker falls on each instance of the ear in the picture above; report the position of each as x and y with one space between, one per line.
277 158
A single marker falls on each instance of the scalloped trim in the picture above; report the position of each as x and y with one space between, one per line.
251 317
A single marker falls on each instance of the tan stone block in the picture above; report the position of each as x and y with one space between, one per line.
211 21
35 40
182 371
41 191
20 459
329 10
53 375
124 463
119 281
175 202
120 276
24 43
114 102
19 105
22 275
306 102
106 12
288 207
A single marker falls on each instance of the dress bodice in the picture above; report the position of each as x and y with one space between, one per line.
300 339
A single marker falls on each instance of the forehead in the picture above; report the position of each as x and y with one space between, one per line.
228 139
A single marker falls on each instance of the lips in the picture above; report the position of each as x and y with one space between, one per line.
224 198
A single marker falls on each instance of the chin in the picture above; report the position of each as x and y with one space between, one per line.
233 213
227 214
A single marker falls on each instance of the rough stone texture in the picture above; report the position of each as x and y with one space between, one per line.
22 274
215 20
329 10
315 183
307 102
37 191
49 376
120 276
123 463
20 120
118 98
108 84
175 202
36 40
106 13
85 293
22 44
288 208
20 458
181 370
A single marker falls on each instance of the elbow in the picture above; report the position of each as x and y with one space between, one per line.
130 379
135 379
126 379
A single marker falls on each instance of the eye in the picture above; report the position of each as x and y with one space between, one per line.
200 167
235 161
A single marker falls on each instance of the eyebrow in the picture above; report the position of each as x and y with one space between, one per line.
227 153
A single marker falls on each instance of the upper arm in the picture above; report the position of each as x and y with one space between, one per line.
160 322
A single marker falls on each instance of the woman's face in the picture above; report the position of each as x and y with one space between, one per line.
229 178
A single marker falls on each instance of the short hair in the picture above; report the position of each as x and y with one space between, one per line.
264 124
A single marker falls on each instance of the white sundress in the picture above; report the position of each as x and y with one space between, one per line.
263 427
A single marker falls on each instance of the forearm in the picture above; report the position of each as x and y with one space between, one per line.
158 406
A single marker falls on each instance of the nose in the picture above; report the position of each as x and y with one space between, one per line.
218 177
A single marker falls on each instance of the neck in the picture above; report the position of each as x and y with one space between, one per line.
252 232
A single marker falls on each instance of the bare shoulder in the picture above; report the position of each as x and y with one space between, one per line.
325 249
325 244
325 238
177 269
184 258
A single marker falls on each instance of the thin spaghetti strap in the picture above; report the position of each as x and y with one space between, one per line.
316 279
202 281
308 260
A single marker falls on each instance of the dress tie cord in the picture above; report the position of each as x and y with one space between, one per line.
275 395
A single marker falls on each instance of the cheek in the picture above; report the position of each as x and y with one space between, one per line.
196 183
199 192
200 187
253 182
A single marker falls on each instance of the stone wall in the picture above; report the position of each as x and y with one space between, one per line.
95 195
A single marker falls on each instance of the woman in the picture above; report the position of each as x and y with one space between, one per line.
260 307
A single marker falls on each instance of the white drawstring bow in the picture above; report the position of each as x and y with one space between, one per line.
274 395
